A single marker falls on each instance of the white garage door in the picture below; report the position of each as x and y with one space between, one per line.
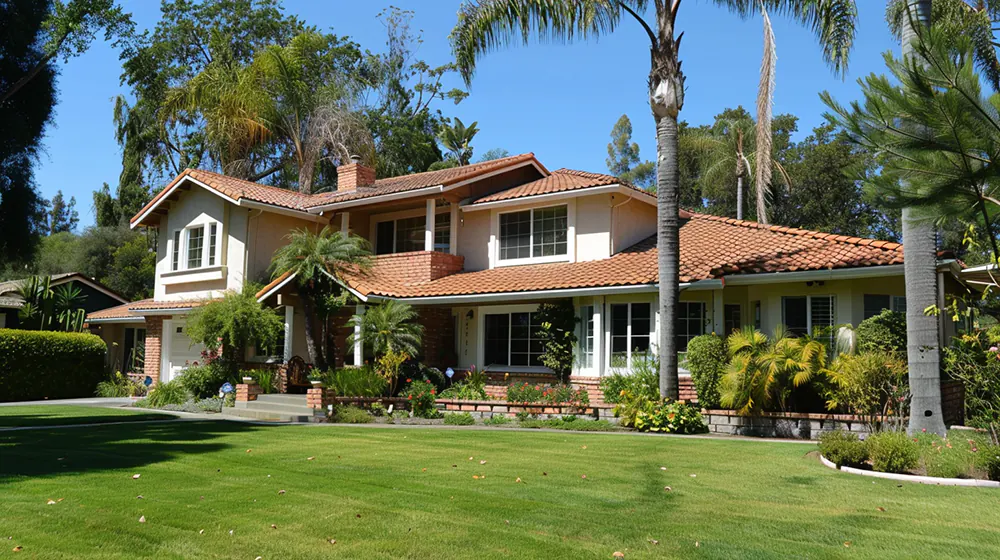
182 352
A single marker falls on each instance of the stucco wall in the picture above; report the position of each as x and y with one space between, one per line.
474 240
268 233
632 222
196 206
593 227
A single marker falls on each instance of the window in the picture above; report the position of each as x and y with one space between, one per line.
690 322
809 315
631 327
540 232
442 232
410 234
586 337
212 229
176 256
512 340
876 303
756 314
731 318
385 237
899 304
276 352
195 244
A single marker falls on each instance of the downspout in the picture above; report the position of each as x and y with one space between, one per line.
611 240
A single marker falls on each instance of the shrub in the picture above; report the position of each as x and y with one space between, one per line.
267 379
498 420
884 332
552 394
843 448
871 385
120 385
642 380
421 395
558 335
459 419
351 414
991 462
630 405
892 452
472 388
205 380
36 365
171 392
212 404
356 382
707 359
956 456
975 360
671 418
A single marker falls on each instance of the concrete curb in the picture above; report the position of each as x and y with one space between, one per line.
969 482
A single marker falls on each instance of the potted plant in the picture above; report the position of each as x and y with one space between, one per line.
316 379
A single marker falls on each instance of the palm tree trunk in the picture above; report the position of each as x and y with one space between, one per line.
309 310
739 197
668 244
923 349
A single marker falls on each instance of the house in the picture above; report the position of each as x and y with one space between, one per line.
476 248
95 296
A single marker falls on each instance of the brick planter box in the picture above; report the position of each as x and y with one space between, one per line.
488 409
783 425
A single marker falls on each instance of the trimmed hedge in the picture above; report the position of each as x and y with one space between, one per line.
36 365
885 331
707 358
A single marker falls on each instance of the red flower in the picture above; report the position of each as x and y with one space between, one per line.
409 398
408 380
433 392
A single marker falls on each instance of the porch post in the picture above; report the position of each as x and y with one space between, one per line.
166 334
453 230
429 227
359 357
289 315
599 335
718 317
345 222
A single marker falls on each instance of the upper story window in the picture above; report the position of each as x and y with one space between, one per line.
195 247
407 234
533 234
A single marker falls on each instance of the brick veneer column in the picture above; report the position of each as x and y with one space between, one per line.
154 334
439 336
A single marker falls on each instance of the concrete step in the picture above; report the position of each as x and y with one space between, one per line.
269 415
279 407
280 398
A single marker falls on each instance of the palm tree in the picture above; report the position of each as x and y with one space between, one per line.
388 327
486 25
316 259
458 139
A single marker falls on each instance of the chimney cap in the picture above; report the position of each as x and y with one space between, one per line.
355 158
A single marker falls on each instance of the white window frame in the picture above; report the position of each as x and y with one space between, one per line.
210 253
286 348
395 217
609 337
705 322
569 256
481 314
809 313
589 313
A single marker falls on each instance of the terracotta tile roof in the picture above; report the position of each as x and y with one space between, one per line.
153 305
415 181
560 180
117 312
711 247
273 283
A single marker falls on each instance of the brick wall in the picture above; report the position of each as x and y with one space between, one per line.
953 402
417 266
154 334
439 336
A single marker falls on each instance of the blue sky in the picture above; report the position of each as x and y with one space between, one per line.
558 101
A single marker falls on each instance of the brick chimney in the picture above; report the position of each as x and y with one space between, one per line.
353 175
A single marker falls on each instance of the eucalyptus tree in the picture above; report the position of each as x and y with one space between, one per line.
931 138
487 25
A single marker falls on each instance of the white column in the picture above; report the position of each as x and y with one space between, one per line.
453 230
289 316
429 227
345 222
359 354
166 334
599 335
718 317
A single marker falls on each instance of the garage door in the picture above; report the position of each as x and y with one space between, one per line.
183 352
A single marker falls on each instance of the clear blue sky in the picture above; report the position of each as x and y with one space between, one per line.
558 101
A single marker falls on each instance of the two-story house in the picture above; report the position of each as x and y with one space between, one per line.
477 247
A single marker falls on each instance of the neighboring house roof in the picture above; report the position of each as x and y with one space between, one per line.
8 289
138 309
560 180
711 248
117 312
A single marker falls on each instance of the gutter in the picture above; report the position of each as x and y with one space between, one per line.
812 275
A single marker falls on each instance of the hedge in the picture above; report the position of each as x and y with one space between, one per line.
36 365
885 331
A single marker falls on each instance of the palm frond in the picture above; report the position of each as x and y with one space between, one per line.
765 108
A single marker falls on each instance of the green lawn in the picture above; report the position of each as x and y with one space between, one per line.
60 415
412 493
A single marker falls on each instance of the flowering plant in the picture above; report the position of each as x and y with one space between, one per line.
671 418
420 396
547 394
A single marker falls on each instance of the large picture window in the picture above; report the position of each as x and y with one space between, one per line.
512 340
535 233
810 315
690 322
407 234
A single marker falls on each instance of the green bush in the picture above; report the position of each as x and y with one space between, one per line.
459 419
351 414
974 359
551 394
204 381
36 365
498 420
885 331
420 396
356 382
171 392
991 462
892 452
642 380
707 358
267 379
843 448
871 384
120 385
671 418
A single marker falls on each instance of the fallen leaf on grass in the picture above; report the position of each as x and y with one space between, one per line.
423 469
357 515
847 544
583 476
663 468
310 458
697 544
139 497
475 476
136 476
248 450
273 526
618 554
230 532
880 508
518 480
694 476
201 532
18 548
545 474
281 492
507 521
142 519
470 458
333 541
51 502
667 488
454 466
654 541
584 447
482 462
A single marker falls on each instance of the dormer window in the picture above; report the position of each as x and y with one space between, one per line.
195 247
535 234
